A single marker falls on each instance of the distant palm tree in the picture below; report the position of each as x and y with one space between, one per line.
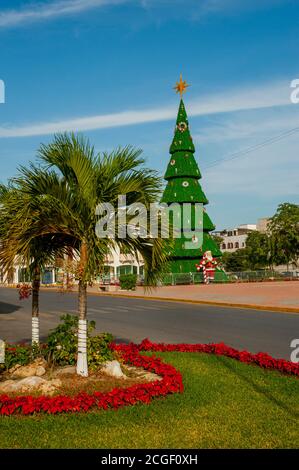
64 193
16 215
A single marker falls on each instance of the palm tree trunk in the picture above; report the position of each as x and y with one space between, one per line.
35 305
82 368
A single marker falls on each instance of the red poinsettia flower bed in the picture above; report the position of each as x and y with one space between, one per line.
142 393
261 359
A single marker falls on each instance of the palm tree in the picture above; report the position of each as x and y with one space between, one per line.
16 215
64 194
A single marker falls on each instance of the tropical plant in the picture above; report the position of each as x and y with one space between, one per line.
64 192
16 214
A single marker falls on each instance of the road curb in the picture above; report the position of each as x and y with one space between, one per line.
271 308
203 302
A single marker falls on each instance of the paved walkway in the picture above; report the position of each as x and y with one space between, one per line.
271 295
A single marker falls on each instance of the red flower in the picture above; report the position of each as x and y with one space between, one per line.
171 380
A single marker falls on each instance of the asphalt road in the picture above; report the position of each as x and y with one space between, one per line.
172 322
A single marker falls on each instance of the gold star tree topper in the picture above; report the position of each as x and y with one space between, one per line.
181 86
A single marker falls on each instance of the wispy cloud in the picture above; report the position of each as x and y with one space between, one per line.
265 173
36 12
255 124
251 154
270 95
208 7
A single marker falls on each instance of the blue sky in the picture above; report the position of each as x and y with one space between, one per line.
107 68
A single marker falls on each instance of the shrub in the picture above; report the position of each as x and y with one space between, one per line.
61 347
19 354
128 281
62 343
98 350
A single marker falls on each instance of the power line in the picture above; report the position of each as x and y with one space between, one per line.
257 146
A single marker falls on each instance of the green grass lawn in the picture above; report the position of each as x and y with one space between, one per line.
225 404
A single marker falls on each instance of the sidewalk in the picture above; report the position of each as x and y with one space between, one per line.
281 296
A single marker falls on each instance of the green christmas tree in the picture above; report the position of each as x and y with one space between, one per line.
182 176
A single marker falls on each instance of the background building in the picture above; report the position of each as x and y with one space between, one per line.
116 263
262 224
235 238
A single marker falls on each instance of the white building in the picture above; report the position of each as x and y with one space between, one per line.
116 263
235 238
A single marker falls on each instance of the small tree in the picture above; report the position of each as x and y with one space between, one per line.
217 239
64 196
257 250
236 261
16 215
283 228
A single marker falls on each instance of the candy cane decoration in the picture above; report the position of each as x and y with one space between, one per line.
202 266
208 265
